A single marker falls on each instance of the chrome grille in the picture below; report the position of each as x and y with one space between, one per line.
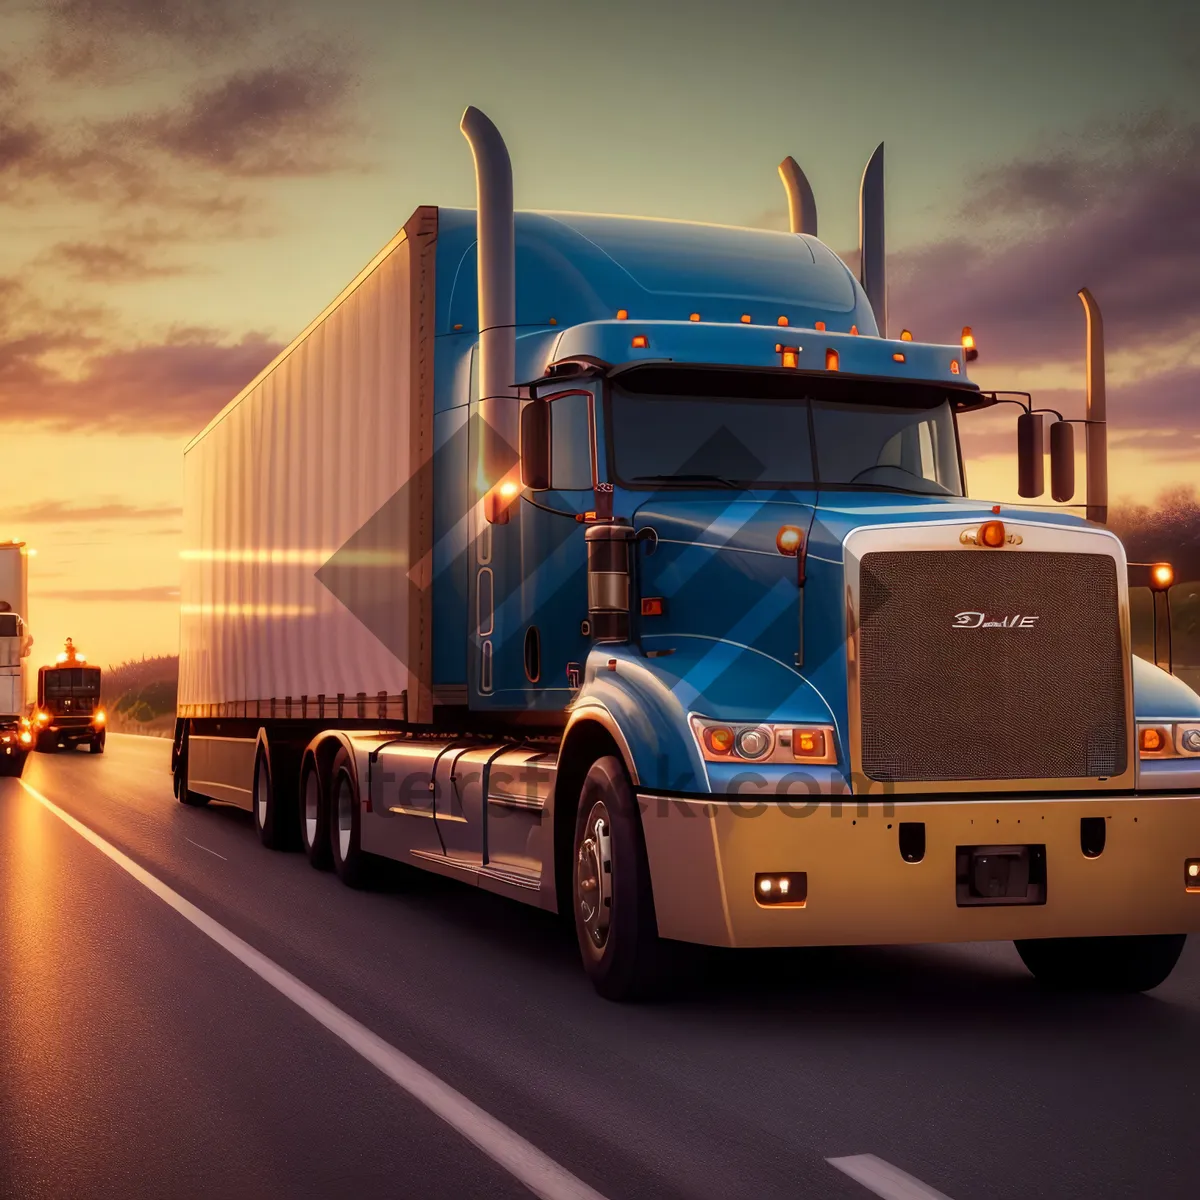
946 697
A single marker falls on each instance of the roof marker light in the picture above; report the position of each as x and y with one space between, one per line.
831 360
641 342
553 320
906 335
820 325
854 330
745 318
694 317
622 314
782 321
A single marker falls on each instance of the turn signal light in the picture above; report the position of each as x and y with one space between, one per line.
1151 741
26 737
719 739
1162 576
991 534
788 540
783 889
897 358
808 743
99 717
42 718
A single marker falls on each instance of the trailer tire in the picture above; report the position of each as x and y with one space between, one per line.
270 818
352 865
1102 964
610 888
314 816
182 793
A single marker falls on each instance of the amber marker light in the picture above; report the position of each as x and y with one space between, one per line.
745 318
970 350
788 540
808 743
831 360
622 314
820 325
694 317
991 534
906 335
1162 575
854 330
641 342
719 739
782 321
897 358
790 356
99 717
652 606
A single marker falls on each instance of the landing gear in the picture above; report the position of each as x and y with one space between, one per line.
611 894
1103 964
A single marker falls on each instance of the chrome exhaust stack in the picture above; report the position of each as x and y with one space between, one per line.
497 298
802 204
1097 413
872 264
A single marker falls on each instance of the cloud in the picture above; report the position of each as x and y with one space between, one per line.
106 509
101 262
168 595
173 387
1117 211
271 121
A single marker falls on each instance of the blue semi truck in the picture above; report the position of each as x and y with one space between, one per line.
625 568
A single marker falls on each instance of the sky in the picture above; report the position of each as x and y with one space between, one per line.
184 186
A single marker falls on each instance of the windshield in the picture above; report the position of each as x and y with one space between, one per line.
81 682
749 438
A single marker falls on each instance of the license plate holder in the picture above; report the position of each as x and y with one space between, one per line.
995 875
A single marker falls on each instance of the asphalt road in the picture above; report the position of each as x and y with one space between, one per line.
140 1057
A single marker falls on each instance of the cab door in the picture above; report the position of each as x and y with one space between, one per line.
554 553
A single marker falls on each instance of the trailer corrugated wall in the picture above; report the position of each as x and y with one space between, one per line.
320 459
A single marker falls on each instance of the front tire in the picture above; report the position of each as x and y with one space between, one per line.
352 865
96 746
1102 964
611 893
182 793
13 765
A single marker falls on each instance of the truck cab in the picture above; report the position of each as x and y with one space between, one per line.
68 711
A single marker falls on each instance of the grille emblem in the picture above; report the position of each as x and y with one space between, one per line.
978 620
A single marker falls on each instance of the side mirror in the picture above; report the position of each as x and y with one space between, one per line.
1031 466
535 445
1062 461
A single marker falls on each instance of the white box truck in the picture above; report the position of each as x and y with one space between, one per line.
15 646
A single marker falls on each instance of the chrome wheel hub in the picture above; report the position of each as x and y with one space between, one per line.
310 809
593 876
345 818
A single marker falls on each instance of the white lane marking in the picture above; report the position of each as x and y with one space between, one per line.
522 1160
883 1179
200 847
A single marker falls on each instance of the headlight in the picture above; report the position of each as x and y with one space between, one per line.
753 742
1158 740
99 717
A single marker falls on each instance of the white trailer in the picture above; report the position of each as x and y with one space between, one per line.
15 646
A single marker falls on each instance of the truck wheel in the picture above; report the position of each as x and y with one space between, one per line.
270 820
314 817
12 765
353 867
45 744
182 794
96 745
1103 964
613 901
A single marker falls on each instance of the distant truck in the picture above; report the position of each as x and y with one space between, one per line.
68 711
15 646
625 568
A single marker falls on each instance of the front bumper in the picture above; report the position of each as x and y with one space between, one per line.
705 852
70 735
